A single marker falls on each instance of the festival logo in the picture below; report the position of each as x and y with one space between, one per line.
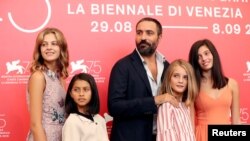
79 65
3 123
92 67
14 66
244 115
247 73
16 72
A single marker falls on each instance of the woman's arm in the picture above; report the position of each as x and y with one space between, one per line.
36 88
235 107
192 114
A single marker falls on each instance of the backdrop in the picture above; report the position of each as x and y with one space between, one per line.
101 32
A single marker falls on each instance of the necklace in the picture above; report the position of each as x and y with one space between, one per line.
52 74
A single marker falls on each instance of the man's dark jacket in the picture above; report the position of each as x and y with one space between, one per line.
130 100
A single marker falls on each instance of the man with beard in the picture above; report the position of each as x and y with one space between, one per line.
134 84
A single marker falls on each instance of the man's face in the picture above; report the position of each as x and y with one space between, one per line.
146 38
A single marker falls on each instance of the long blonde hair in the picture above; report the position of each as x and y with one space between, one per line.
192 89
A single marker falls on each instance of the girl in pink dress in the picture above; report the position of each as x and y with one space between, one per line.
46 87
218 96
175 123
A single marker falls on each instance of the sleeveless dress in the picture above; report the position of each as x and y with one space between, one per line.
174 124
211 111
53 108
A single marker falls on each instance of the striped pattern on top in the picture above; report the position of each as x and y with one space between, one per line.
174 124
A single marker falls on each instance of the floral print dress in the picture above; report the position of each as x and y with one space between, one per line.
53 108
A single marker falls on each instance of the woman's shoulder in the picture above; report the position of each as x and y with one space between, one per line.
71 118
37 76
167 107
232 83
37 73
72 121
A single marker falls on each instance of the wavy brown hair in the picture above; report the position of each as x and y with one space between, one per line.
62 61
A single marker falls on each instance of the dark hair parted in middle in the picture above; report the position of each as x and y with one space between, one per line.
219 79
94 104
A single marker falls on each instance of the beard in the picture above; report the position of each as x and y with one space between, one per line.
145 48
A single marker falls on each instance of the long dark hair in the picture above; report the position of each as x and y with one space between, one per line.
218 77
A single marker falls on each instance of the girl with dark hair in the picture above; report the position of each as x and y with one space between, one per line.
82 106
218 98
